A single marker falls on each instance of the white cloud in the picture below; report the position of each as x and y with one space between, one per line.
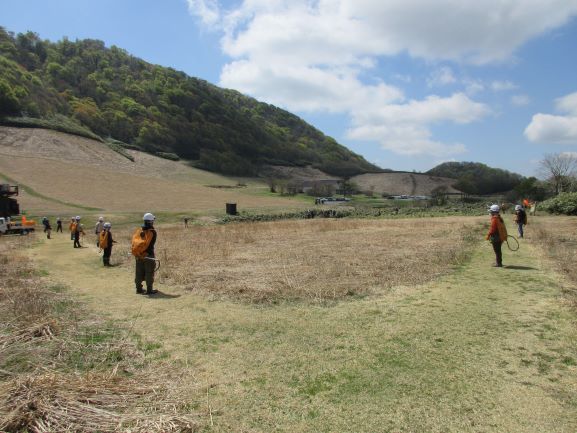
473 87
500 86
441 77
567 104
520 100
207 10
319 55
405 139
304 88
404 128
476 32
556 129
546 128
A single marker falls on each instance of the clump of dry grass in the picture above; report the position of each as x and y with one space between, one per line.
558 237
53 377
316 260
52 402
24 304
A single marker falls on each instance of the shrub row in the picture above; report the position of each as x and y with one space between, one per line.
118 148
564 204
57 123
168 155
360 212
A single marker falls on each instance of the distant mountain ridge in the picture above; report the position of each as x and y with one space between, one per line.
477 178
159 109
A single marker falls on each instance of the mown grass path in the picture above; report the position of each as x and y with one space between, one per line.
480 350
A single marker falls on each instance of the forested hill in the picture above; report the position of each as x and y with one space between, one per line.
477 178
157 109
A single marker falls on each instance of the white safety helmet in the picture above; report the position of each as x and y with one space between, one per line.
148 217
107 225
518 207
77 218
100 219
494 208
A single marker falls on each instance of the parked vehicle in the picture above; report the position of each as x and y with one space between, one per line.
23 227
9 208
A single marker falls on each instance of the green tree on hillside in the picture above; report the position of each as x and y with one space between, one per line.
116 95
9 101
477 178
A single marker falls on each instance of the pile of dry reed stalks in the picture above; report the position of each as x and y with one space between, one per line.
31 333
55 402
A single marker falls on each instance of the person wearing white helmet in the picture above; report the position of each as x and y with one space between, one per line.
105 242
497 234
47 227
77 230
520 219
98 228
143 241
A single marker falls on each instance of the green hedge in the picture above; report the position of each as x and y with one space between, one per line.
361 212
57 123
118 147
168 155
564 204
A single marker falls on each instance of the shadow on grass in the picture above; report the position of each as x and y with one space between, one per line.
520 268
162 295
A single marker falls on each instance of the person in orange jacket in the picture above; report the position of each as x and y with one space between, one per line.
71 227
497 234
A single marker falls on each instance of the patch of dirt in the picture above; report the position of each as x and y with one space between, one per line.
295 173
88 173
403 183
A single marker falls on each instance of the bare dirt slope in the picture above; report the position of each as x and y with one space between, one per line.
64 170
402 183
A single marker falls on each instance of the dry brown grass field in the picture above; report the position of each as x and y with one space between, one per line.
331 326
558 238
82 172
316 260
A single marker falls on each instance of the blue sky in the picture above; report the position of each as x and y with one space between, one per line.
405 83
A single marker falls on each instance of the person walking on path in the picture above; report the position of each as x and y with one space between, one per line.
58 225
186 222
105 242
497 234
520 219
143 241
71 227
78 230
98 228
47 227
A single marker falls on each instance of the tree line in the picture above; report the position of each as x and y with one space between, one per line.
158 109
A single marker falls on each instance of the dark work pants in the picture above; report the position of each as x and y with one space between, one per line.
144 272
498 253
59 228
76 239
520 229
107 252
